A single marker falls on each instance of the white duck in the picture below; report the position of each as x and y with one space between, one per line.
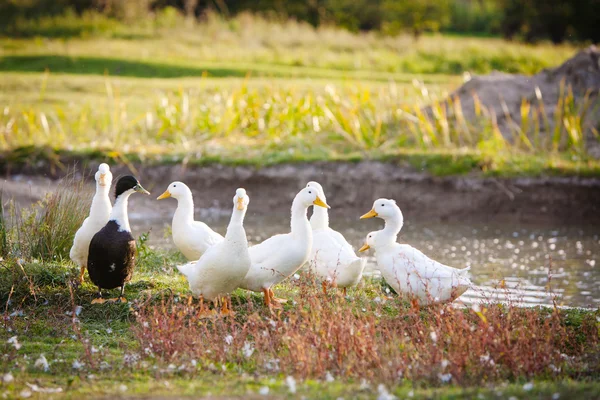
280 256
332 258
191 237
221 269
406 269
99 214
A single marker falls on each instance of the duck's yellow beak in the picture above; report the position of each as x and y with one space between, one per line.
102 180
320 203
240 203
370 214
165 195
364 248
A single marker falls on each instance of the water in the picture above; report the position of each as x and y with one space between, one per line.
525 264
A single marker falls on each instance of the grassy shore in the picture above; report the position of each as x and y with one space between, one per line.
370 343
252 91
330 346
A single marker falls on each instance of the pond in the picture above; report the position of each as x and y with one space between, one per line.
524 264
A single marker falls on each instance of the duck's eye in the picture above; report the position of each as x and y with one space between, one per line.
309 192
174 185
383 205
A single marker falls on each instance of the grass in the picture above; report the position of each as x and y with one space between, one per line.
157 345
251 40
47 228
254 91
372 343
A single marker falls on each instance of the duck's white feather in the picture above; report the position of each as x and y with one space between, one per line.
280 256
99 213
406 269
334 261
192 238
274 260
222 267
332 258
409 271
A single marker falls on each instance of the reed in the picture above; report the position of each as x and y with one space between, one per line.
45 230
231 121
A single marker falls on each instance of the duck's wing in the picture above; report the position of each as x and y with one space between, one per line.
340 240
79 250
206 235
425 267
329 251
261 252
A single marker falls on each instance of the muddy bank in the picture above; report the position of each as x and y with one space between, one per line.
352 187
500 96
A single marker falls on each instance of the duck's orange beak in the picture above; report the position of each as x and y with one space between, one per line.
370 214
165 195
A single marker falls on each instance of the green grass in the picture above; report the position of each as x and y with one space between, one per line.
156 344
258 92
248 39
103 339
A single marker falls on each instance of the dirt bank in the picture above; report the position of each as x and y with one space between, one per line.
501 95
352 187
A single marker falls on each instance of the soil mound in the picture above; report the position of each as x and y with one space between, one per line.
501 94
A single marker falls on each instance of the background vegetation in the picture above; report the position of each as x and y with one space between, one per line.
529 20
271 91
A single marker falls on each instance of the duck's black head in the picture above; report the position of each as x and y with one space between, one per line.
126 183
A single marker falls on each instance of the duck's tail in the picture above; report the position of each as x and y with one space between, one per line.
359 263
462 281
187 269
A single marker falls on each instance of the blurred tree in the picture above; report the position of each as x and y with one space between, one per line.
354 15
529 20
415 16
474 16
586 20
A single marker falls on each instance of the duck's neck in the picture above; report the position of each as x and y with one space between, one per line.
393 225
299 223
119 212
185 210
384 239
100 203
319 218
235 229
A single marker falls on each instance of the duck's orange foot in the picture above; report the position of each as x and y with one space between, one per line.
119 299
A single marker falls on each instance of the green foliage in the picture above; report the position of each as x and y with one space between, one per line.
4 229
475 17
69 24
531 20
415 16
557 20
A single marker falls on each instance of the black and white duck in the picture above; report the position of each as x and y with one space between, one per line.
112 252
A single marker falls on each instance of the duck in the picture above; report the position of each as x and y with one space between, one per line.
112 253
191 237
332 258
282 255
406 269
97 218
221 269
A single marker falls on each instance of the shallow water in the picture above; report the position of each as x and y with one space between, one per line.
527 265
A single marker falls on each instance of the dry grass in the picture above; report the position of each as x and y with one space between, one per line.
242 121
380 341
45 230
